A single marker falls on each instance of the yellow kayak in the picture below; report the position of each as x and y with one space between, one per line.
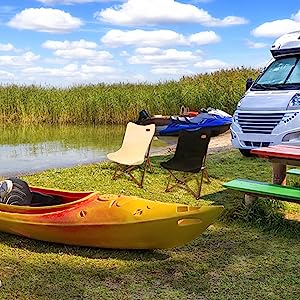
108 221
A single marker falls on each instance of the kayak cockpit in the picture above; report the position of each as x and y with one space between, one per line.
69 199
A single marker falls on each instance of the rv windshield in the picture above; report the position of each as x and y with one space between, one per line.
282 73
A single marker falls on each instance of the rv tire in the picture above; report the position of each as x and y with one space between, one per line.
246 152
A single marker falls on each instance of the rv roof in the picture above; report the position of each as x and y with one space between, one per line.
287 44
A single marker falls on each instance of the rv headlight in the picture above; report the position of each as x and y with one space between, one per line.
291 136
295 101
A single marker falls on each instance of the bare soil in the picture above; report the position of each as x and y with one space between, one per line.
221 142
218 143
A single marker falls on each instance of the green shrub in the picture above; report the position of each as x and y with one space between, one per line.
120 103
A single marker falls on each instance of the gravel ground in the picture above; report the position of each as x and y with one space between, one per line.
218 143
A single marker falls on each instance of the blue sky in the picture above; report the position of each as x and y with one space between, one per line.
67 42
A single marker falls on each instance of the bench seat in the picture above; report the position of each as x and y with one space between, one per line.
293 171
290 194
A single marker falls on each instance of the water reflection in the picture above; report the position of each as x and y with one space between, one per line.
29 149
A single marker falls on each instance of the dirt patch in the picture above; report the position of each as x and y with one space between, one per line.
218 143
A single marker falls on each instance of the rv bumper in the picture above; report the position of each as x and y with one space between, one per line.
249 141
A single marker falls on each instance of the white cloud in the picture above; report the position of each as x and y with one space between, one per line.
116 38
68 45
45 20
156 38
278 27
71 68
69 2
135 78
211 64
69 73
66 71
255 45
82 53
145 12
124 53
25 59
204 38
6 75
170 71
81 49
148 51
97 69
296 17
7 47
156 56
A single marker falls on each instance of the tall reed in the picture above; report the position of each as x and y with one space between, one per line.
119 103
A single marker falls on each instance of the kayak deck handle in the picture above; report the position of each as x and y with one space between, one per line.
182 208
187 222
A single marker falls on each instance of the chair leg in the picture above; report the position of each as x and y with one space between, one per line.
183 183
179 182
120 170
147 159
149 165
168 184
206 175
139 183
143 174
200 184
117 169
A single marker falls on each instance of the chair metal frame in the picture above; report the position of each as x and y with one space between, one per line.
128 169
183 181
175 180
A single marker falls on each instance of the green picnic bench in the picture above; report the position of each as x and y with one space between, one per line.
257 188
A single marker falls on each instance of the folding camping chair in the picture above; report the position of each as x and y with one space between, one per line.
188 161
134 152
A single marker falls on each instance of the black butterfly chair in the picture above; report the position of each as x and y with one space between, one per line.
189 158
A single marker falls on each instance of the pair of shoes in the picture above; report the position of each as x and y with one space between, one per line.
5 188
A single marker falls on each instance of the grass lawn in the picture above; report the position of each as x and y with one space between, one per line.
249 254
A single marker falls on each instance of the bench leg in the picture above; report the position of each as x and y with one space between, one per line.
279 173
249 199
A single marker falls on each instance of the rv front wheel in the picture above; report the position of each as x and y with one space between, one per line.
245 152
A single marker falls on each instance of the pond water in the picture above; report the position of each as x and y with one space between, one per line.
31 149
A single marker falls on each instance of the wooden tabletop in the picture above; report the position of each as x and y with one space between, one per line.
278 151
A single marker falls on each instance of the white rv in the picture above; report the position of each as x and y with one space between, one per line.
269 112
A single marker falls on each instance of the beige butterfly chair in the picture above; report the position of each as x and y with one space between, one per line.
134 151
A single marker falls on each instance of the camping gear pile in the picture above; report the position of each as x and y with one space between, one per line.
216 120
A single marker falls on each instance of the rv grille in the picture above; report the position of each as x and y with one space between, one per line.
256 144
259 122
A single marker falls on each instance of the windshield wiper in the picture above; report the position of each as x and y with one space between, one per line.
288 86
277 86
261 87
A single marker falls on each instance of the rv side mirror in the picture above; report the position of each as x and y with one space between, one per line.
249 82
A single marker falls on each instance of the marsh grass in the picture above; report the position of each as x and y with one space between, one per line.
120 103
236 258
